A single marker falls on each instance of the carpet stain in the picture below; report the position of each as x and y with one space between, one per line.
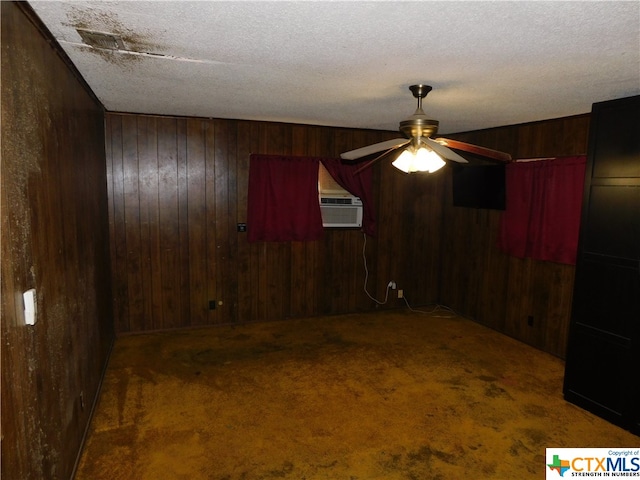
533 410
391 396
536 436
283 472
494 391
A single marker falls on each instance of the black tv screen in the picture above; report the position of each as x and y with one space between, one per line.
479 186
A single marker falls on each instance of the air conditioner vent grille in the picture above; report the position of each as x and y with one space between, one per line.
336 201
343 212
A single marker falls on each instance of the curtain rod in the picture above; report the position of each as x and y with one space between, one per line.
549 158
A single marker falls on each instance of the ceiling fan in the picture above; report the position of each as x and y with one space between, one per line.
421 152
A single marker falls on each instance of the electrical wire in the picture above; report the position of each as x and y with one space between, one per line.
436 308
451 313
366 275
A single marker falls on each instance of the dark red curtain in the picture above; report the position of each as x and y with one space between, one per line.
282 203
544 203
360 185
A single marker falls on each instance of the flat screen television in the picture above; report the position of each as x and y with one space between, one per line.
479 186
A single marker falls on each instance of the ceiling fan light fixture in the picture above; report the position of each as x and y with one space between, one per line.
421 153
421 160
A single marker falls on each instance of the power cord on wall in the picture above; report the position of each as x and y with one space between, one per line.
366 275
449 312
432 312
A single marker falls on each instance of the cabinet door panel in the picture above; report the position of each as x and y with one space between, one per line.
613 221
616 140
594 378
607 298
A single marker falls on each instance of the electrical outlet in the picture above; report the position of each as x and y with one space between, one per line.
400 293
530 320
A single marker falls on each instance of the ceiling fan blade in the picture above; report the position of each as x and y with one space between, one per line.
375 148
443 151
379 157
476 149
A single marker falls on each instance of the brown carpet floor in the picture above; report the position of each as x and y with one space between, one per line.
393 395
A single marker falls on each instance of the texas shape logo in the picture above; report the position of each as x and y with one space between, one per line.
560 466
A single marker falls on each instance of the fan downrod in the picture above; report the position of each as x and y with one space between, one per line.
420 91
419 125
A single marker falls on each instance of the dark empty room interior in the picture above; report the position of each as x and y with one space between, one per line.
164 318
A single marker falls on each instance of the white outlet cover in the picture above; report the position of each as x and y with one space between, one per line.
29 299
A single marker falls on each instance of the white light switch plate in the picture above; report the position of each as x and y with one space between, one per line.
29 299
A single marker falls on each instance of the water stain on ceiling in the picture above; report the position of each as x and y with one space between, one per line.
349 64
108 37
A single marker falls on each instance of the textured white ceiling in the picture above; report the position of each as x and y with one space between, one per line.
350 63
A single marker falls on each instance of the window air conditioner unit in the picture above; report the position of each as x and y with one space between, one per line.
341 211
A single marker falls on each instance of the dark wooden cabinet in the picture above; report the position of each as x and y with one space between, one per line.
603 354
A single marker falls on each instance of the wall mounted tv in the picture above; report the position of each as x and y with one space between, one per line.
479 186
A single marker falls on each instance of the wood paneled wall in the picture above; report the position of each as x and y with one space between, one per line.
497 290
54 239
178 188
